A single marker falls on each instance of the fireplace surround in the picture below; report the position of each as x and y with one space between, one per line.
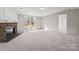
7 30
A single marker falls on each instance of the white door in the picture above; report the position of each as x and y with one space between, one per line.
63 23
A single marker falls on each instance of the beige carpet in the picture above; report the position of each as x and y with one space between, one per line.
42 41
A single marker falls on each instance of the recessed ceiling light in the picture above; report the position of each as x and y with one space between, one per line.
42 8
21 9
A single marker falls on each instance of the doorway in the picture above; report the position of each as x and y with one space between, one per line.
63 23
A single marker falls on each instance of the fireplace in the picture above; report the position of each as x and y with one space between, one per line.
9 31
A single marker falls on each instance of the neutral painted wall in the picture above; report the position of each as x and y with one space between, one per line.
51 22
1 14
8 14
21 19
20 23
72 21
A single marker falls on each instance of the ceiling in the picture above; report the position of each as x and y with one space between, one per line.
36 11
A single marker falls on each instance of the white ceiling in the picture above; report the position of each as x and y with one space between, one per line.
36 11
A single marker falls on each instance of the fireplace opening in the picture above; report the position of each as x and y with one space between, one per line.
9 31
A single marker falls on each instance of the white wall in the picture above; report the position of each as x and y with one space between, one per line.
20 23
72 21
1 14
8 14
51 22
21 19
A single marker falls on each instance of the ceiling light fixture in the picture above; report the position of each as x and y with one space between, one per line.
21 9
42 8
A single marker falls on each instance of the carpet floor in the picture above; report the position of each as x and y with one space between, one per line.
42 41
